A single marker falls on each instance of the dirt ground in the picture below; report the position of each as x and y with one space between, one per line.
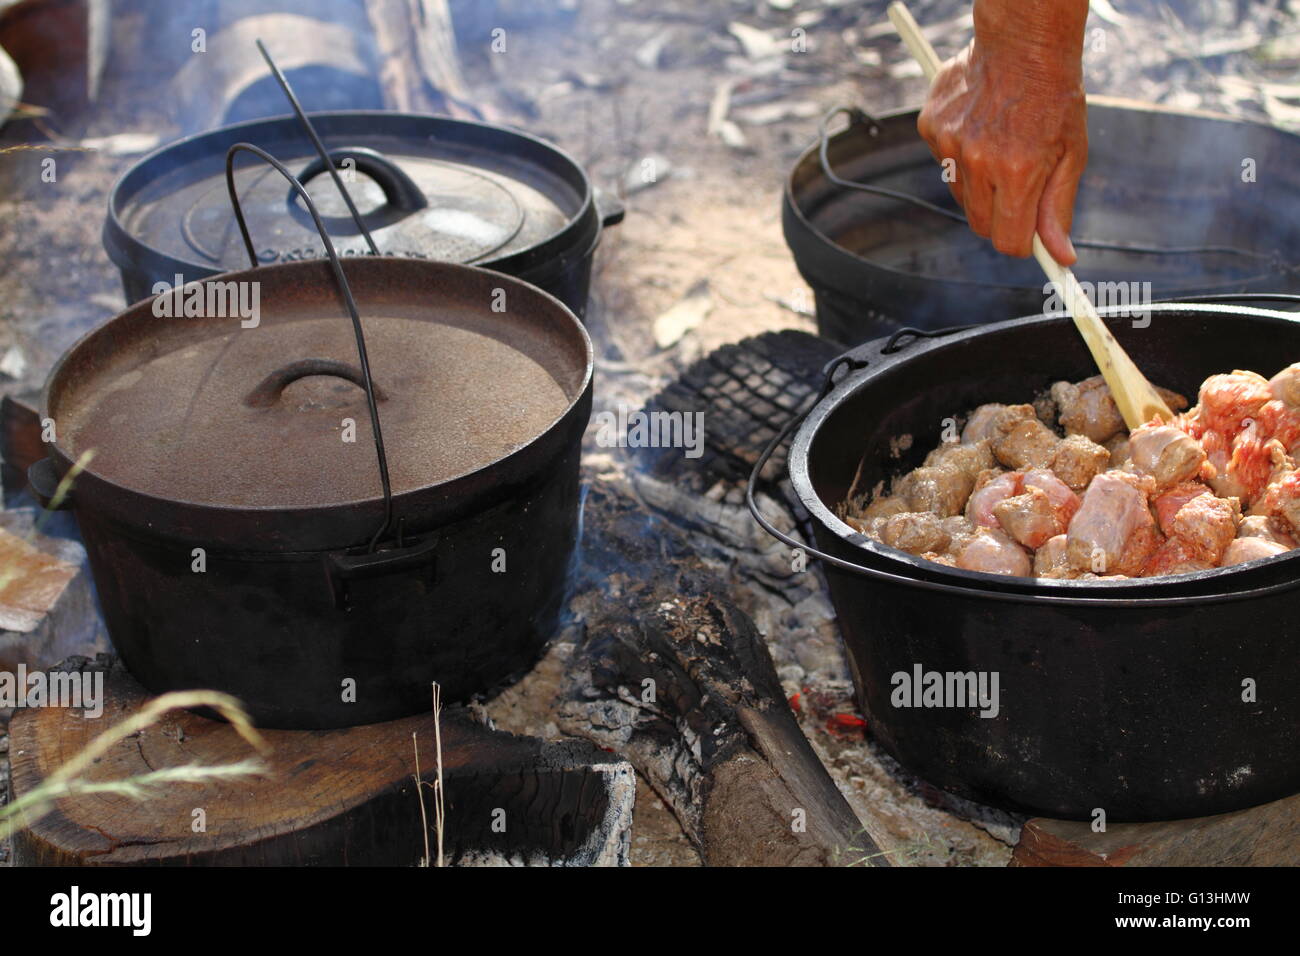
628 87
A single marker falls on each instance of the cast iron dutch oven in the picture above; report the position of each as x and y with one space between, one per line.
233 511
1156 179
1147 699
427 187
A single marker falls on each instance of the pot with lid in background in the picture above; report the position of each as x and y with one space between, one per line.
233 507
428 187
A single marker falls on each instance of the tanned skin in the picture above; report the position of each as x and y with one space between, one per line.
1010 110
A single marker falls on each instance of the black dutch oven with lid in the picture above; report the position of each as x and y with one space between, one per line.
428 187
1157 180
1148 699
234 512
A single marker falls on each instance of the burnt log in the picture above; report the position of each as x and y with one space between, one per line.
684 688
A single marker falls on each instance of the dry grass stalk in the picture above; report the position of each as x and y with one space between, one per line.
435 786
67 780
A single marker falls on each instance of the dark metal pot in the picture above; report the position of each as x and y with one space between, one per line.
294 599
428 187
1157 179
1125 697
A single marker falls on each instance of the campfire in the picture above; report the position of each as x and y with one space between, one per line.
487 414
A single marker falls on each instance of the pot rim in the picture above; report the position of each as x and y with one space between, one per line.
825 247
209 511
996 586
131 253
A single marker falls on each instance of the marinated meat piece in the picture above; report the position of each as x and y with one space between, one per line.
1051 560
915 533
1086 408
995 553
1165 453
1281 421
1251 549
1113 532
1026 444
1199 533
942 491
1078 460
1029 518
1208 524
1168 503
1064 501
1285 386
1281 500
1226 401
870 520
991 488
1175 556
969 459
1261 526
982 423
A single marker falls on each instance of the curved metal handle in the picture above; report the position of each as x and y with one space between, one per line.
337 266
267 392
400 191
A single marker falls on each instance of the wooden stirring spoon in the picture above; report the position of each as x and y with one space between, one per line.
1137 399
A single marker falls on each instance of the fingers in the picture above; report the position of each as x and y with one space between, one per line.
1055 212
1017 188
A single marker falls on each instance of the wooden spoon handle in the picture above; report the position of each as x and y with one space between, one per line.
1137 399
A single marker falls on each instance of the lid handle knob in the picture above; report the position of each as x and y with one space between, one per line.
400 191
267 392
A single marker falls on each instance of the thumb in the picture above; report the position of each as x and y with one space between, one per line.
1056 209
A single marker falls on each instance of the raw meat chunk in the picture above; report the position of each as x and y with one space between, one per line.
1029 518
1051 560
969 459
1168 503
1022 441
1086 408
1226 401
1113 532
915 533
982 423
1078 460
989 490
994 553
1251 549
942 491
1167 454
1260 526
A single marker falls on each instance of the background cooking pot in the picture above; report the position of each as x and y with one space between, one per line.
1155 178
211 444
1126 697
427 187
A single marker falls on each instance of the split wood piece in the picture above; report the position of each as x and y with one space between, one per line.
47 601
1267 835
684 688
331 797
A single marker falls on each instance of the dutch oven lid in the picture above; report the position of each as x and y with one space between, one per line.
426 187
217 411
